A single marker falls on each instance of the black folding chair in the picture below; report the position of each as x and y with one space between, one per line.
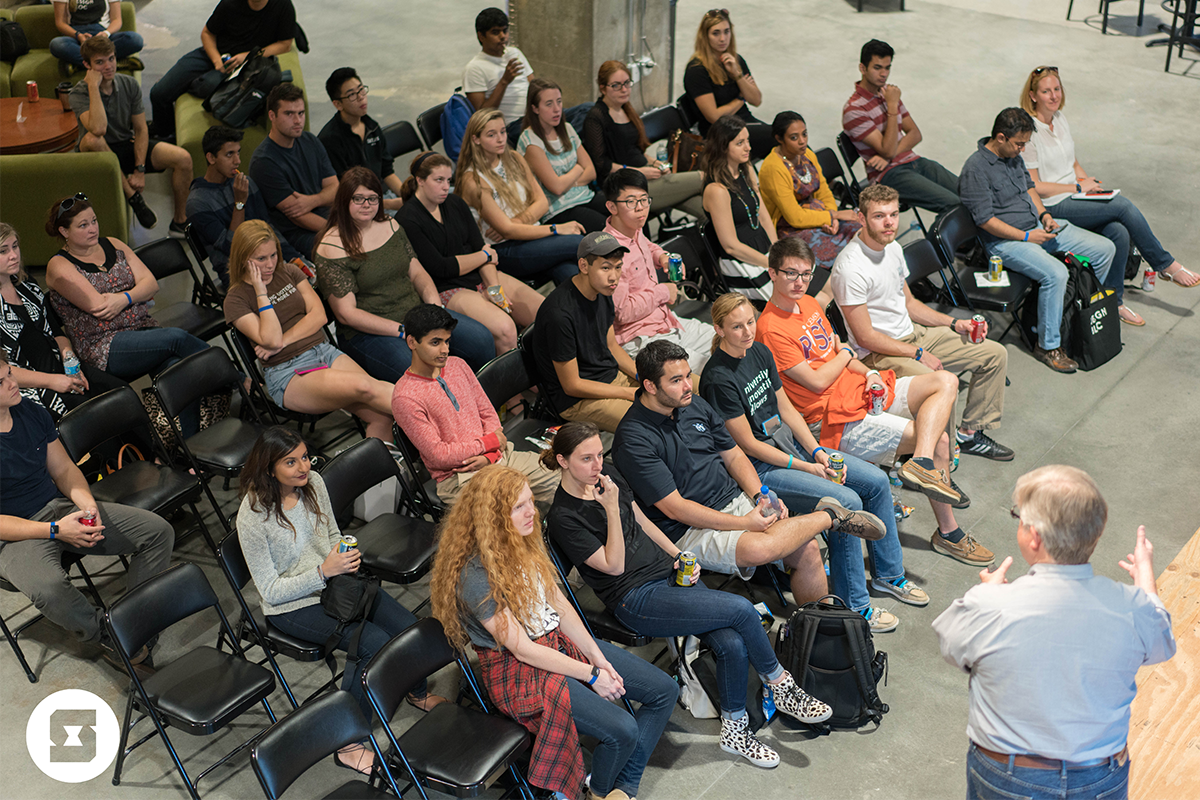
541 406
506 376
210 293
429 123
199 692
923 262
165 258
401 138
835 179
697 260
451 749
850 156
290 747
418 477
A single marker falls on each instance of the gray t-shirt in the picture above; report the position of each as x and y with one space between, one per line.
120 107
474 588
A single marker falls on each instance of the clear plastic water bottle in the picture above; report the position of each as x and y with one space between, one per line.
663 156
776 508
70 364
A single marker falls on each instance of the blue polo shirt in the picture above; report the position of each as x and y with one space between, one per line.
682 450
991 186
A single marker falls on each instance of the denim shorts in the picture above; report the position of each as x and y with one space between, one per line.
279 376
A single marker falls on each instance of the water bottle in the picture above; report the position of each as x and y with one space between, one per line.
663 155
70 364
773 504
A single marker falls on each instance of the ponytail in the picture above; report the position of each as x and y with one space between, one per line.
569 437
421 167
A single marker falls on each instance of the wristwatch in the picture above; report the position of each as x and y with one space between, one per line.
1078 186
595 674
920 352
139 167
487 256
554 230
53 530
1044 213
239 206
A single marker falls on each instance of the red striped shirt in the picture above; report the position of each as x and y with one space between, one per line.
864 113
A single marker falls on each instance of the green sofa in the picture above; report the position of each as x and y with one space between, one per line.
191 120
38 65
33 182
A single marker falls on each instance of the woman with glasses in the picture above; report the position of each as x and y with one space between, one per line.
562 166
615 139
101 291
742 228
798 198
505 198
371 277
1058 177
718 80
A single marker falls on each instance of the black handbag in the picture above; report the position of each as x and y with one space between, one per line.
348 598
1095 326
13 42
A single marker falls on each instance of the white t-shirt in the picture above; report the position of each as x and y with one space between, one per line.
483 74
1052 154
865 276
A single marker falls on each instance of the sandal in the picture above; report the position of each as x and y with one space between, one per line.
1191 278
424 704
1129 316
358 765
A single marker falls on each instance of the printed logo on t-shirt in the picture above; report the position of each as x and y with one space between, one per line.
816 339
283 294
699 426
756 391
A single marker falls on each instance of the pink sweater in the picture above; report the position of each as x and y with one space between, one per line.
640 300
446 437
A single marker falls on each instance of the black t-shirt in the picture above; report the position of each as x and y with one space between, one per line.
580 528
438 243
88 12
25 483
743 387
679 451
347 150
569 326
279 171
240 29
697 83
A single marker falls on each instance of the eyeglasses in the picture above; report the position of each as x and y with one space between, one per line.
718 12
361 91
790 275
1040 70
69 203
634 202
621 85
1015 513
365 199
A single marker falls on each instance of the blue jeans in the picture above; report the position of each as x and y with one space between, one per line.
991 780
553 256
728 623
1036 262
133 354
193 73
66 48
1119 221
312 624
625 742
386 358
866 489
924 183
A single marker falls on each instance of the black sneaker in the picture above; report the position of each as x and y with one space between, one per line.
178 230
963 500
983 445
145 215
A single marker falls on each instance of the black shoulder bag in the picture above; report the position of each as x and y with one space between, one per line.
348 598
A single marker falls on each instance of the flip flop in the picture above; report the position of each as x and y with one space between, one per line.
1175 278
370 767
1133 319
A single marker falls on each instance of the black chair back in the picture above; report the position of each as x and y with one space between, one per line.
848 150
108 416
505 376
834 315
155 605
951 230
165 258
233 561
835 178
688 111
356 469
429 123
416 652
401 138
661 122
922 260
186 381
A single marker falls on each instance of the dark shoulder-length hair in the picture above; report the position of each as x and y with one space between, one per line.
258 476
531 121
339 216
715 161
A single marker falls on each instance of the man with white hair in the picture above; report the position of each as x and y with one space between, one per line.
1052 656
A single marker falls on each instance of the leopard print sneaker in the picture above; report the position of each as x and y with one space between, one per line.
795 702
736 738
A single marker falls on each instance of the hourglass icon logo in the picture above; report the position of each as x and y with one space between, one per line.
72 736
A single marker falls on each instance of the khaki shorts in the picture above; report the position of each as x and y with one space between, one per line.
717 550
542 481
606 413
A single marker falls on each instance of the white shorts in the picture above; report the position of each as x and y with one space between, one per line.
717 550
876 439
695 336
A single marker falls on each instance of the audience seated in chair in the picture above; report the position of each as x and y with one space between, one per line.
584 372
81 20
1004 203
450 246
45 497
891 329
643 303
272 303
235 30
828 385
224 197
493 585
352 138
444 412
884 133
498 76
111 119
293 171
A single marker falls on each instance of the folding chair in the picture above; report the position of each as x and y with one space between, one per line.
697 260
423 502
835 179
850 156
210 294
165 258
1103 9
199 692
506 376
429 123
923 261
401 138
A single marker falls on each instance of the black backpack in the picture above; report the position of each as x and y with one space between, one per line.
829 651
1091 329
13 43
241 100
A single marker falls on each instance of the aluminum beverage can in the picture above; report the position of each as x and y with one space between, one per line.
687 568
347 542
838 465
31 91
675 267
995 267
977 323
1148 278
88 519
877 394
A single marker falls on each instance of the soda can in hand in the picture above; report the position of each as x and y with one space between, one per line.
347 542
88 519
977 329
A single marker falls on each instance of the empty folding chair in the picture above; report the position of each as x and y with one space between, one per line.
429 123
165 258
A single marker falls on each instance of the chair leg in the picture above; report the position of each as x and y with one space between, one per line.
16 648
1103 17
91 586
116 780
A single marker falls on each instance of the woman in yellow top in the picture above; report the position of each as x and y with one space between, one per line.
798 198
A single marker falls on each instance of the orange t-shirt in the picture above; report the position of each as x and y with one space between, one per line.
808 337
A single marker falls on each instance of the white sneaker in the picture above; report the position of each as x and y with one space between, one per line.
736 738
799 704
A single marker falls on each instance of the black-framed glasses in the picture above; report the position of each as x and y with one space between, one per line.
634 202
790 275
1040 70
361 91
365 199
622 85
69 203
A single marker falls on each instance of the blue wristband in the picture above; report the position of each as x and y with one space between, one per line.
1027 236
128 297
595 675
819 450
266 307
790 457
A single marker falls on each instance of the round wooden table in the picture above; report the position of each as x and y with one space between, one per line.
46 128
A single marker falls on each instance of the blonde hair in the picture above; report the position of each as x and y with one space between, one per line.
722 307
250 236
9 232
1031 84
472 160
480 527
704 53
1063 504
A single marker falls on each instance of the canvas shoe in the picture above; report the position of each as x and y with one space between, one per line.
736 738
797 703
862 524
902 588
934 483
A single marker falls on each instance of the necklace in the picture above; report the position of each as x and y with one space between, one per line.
753 217
804 178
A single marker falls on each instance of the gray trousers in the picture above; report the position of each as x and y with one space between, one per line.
34 566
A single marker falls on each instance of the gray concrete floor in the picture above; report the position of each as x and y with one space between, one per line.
1129 423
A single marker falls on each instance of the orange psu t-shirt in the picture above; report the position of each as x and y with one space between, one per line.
808 337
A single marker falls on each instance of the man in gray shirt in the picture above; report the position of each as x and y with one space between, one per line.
112 119
1052 656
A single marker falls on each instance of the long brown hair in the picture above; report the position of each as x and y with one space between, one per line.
339 214
704 53
534 123
722 307
258 476
472 160
480 526
422 167
249 236
714 163
607 69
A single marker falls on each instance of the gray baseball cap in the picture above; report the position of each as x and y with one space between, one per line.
599 244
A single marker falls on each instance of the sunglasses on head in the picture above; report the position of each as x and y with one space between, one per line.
1040 70
69 203
718 12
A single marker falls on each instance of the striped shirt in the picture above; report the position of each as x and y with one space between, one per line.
865 113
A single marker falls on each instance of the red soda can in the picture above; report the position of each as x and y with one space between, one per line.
31 91
89 518
1148 278
977 333
876 395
